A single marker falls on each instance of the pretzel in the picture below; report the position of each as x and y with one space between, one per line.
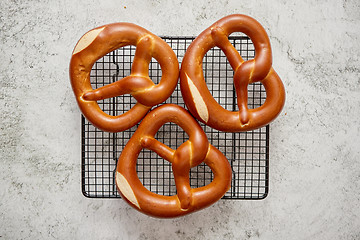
196 95
190 154
102 40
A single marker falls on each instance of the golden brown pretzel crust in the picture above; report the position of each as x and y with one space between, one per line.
190 154
194 89
102 40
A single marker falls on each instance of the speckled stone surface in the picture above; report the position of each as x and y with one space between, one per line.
314 147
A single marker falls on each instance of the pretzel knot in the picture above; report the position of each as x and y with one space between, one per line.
189 154
196 94
99 42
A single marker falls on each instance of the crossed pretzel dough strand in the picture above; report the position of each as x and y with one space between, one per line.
190 154
196 95
99 42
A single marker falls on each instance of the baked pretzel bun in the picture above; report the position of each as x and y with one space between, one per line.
99 42
189 154
194 90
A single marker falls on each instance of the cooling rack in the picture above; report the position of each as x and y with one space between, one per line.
247 152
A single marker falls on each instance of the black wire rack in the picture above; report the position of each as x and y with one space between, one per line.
247 152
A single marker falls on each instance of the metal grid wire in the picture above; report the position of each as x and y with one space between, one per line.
247 152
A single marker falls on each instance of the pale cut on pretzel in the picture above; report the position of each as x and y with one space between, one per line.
189 154
197 96
101 41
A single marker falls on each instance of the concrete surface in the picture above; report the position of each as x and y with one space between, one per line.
315 142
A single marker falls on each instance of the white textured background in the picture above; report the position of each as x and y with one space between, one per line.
315 142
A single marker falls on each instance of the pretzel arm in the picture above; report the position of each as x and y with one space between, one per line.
158 147
221 40
142 58
242 99
123 86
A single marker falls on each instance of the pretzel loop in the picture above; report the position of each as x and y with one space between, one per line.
189 154
99 42
198 98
